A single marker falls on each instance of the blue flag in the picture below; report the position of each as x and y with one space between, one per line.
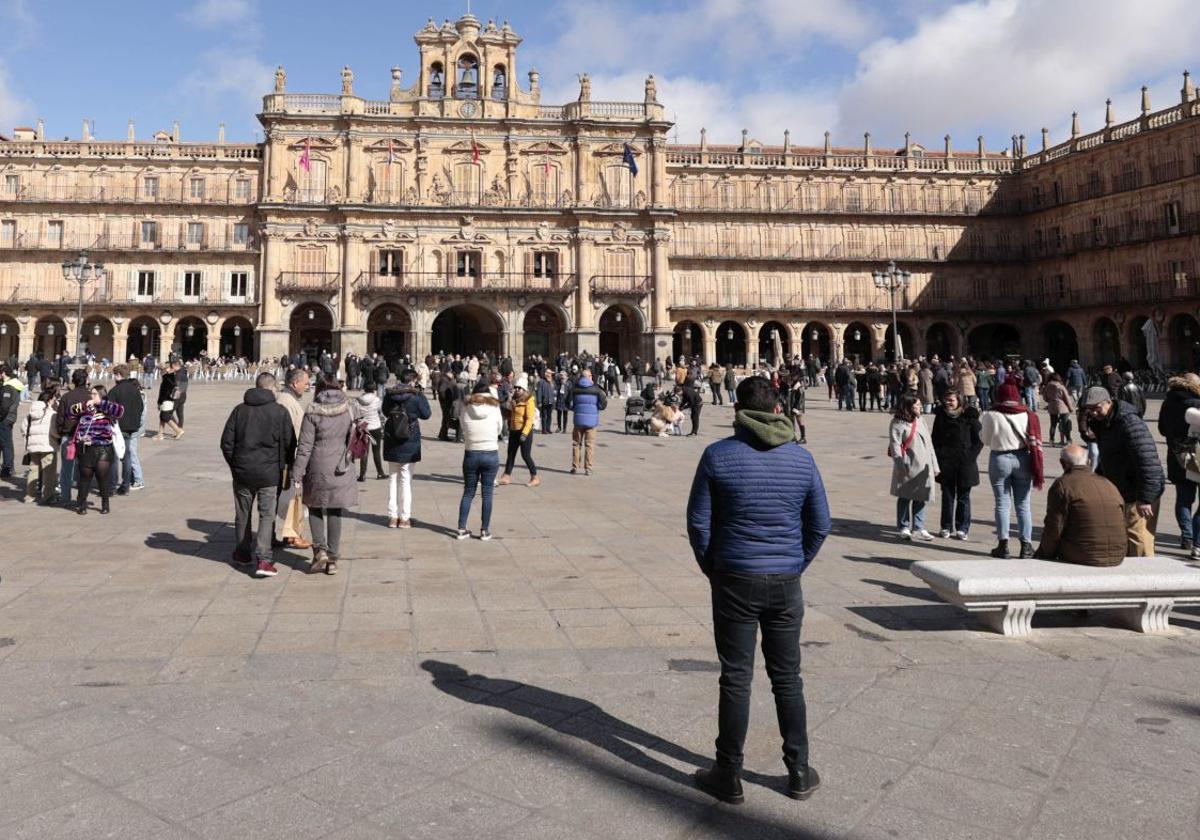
628 159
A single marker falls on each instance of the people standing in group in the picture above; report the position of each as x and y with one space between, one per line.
66 421
168 392
11 389
1013 434
92 441
1183 394
586 401
914 467
41 446
520 432
757 516
482 424
368 405
128 394
291 527
1060 406
324 471
544 392
985 381
957 444
1129 459
258 443
404 407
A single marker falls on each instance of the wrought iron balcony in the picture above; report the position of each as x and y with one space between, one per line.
126 242
308 281
621 284
125 194
118 288
489 282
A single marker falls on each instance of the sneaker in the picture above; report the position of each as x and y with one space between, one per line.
944 534
905 534
265 569
961 535
1196 553
587 472
393 523
405 523
138 486
573 471
462 534
803 783
923 535
1185 544
485 535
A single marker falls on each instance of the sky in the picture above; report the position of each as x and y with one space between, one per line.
930 67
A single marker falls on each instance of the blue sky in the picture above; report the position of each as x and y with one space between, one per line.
992 67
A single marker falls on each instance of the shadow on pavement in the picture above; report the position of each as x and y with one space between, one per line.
916 617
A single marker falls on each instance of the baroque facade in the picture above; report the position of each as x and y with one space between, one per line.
462 214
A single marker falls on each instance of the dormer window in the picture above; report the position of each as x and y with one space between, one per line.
468 78
437 81
499 83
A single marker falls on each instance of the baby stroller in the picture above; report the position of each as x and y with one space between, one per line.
635 416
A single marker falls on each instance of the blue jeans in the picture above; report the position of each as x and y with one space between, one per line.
6 447
910 515
1185 497
479 468
1011 472
846 398
1030 395
984 401
131 467
956 508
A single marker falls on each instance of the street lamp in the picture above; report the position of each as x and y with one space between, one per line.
81 271
892 279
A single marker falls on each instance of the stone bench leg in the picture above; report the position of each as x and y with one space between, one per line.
1013 620
1152 617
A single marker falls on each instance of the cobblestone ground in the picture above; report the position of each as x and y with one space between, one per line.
148 690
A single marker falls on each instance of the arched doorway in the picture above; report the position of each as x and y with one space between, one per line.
311 330
237 338
10 337
50 336
465 330
98 337
191 338
774 344
1138 354
544 332
816 341
939 341
1107 342
144 334
388 331
907 345
994 341
620 332
731 344
1061 344
1184 334
688 340
856 342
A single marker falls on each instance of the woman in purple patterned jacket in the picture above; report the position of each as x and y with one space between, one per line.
93 443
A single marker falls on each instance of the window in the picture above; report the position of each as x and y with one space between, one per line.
196 189
8 232
1137 275
145 285
1171 216
191 284
1097 230
241 189
437 81
854 203
468 264
1129 178
468 182
545 264
54 234
1092 189
391 263
1056 238
1178 274
12 184
854 243
499 83
149 233
241 234
467 86
239 283
195 233
150 187
545 183
312 182
1037 195
56 183
1058 193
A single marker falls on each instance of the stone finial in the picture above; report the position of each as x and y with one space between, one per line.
949 151
1045 139
907 141
745 138
651 89
347 81
1015 148
86 134
1145 100
129 136
787 141
1074 125
828 142
280 79
703 139
1109 118
979 143
585 88
175 131
535 81
395 89
1021 138
41 129
221 133
1188 92
867 143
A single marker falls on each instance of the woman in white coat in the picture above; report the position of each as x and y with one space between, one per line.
914 468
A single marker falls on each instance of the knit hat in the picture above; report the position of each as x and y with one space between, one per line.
522 382
1095 396
1008 393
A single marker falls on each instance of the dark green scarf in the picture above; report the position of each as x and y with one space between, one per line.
770 428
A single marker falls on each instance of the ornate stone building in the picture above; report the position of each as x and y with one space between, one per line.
463 214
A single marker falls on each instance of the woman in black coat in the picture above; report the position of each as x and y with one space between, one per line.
1183 392
957 445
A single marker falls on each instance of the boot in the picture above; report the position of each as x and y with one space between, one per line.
722 783
1026 550
81 505
1001 550
104 505
803 783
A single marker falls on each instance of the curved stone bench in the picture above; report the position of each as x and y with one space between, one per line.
1006 593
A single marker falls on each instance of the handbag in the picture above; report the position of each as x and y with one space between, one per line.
166 406
27 458
118 444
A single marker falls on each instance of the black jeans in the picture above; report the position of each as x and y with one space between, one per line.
547 417
526 449
179 410
376 449
561 420
742 604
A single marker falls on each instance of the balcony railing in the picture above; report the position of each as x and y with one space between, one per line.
308 281
795 203
751 298
125 242
695 157
111 149
129 194
1141 293
119 290
418 282
621 284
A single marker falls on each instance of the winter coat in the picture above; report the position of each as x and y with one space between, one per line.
925 385
1056 398
292 405
1173 425
258 440
40 425
1076 378
411 401
1128 456
757 504
562 395
481 422
1133 395
545 394
957 444
587 401
914 467
128 393
965 382
1085 521
381 372
368 405
10 401
167 387
329 478
522 416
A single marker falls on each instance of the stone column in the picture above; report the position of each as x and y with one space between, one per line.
214 340
658 179
587 336
273 335
166 338
837 346
354 161
580 179
710 341
25 340
660 276
352 329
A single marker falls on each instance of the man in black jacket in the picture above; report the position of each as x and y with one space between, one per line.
10 401
128 393
79 394
1129 459
258 444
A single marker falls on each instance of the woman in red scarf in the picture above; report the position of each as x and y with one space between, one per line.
1014 435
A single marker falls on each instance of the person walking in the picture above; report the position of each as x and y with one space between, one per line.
1131 393
966 383
730 382
291 528
324 471
65 421
168 390
258 443
1013 434
482 425
694 403
757 516
545 401
957 445
520 433
562 401
797 399
93 444
716 380
404 406
985 380
11 389
914 468
368 407
586 401
128 394
1183 393
181 392
1059 405
1076 381
925 388
41 481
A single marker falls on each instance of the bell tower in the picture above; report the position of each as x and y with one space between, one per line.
464 62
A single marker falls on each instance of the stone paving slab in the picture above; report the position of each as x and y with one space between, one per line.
147 689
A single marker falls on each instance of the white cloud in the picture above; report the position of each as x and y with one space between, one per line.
214 13
13 110
231 80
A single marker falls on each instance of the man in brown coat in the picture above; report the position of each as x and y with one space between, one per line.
1085 516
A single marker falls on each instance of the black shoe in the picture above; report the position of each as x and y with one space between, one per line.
5 473
122 491
803 783
104 506
1026 550
362 478
1185 545
722 783
1001 550
81 509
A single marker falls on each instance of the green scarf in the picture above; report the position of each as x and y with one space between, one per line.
770 428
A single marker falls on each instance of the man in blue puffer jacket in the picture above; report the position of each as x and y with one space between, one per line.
757 516
586 401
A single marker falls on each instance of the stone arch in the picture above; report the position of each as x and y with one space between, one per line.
10 336
907 342
143 337
766 343
1137 352
389 330
688 339
98 337
621 328
1106 341
50 335
191 337
544 328
817 340
237 337
466 328
1060 344
940 341
856 342
732 344
994 341
310 328
1183 332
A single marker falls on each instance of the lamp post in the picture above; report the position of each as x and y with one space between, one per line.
892 279
81 271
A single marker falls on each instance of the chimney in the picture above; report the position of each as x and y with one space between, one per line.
1074 125
704 139
1108 114
948 152
787 141
745 139
908 143
867 143
1188 93
221 133
129 132
175 131
828 143
1145 101
1045 139
982 152
41 129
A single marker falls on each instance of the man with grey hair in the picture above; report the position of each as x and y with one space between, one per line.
291 529
1085 516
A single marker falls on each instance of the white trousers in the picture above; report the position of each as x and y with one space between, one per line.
399 491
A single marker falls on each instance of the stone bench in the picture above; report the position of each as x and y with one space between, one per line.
1006 593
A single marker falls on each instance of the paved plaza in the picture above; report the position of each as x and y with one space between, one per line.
557 682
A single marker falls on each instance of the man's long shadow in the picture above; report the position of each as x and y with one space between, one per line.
578 718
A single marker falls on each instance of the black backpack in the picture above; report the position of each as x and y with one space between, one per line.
398 426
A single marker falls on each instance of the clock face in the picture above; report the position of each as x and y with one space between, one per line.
467 109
